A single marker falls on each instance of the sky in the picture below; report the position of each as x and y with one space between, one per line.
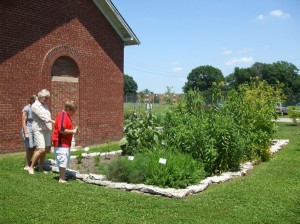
179 35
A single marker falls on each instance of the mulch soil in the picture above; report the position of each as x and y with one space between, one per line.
89 165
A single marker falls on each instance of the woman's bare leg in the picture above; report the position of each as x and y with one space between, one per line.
42 160
37 155
29 155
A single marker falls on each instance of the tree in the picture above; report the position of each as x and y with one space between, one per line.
130 86
168 95
238 77
146 91
202 78
278 72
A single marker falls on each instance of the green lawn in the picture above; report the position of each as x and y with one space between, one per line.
156 108
270 193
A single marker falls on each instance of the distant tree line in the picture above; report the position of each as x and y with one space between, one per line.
203 77
281 72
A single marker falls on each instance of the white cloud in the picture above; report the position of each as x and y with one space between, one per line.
234 61
177 69
279 13
274 13
226 51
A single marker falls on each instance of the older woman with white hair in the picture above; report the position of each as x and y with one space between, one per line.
42 129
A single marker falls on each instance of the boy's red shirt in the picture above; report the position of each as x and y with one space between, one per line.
62 122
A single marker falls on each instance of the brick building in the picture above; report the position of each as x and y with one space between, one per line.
73 48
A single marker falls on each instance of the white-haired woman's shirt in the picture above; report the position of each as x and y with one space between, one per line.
41 117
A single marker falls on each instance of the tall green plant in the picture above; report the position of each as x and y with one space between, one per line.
224 135
141 132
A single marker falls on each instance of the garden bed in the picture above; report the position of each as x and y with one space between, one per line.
89 164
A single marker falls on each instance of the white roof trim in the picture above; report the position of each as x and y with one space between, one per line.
117 21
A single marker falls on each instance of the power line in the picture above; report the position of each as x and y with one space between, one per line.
150 69
155 73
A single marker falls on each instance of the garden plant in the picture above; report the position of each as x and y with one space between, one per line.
216 133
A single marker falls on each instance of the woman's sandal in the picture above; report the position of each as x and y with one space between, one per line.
62 181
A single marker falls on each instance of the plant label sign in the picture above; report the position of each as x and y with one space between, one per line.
162 161
130 157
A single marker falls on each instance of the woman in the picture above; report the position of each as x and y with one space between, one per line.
62 138
27 132
42 129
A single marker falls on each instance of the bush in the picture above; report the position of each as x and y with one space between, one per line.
294 114
124 170
224 135
141 132
180 171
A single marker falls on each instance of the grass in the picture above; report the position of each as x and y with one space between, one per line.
270 193
107 147
156 108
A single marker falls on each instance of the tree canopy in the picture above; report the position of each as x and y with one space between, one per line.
202 78
130 86
278 72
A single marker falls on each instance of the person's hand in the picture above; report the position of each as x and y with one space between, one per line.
26 135
76 130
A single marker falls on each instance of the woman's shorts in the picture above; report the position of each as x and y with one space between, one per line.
42 139
29 142
62 156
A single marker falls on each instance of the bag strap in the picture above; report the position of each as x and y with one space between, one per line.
61 129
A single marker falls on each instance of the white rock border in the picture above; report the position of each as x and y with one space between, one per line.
166 192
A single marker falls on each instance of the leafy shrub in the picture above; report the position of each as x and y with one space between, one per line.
128 113
294 114
141 132
180 171
224 136
124 170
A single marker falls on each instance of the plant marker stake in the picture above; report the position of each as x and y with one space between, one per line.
130 157
162 161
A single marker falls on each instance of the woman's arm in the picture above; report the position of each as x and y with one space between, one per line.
40 112
24 119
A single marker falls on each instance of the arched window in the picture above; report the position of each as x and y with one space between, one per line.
65 66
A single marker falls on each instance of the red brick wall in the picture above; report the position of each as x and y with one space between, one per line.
34 33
